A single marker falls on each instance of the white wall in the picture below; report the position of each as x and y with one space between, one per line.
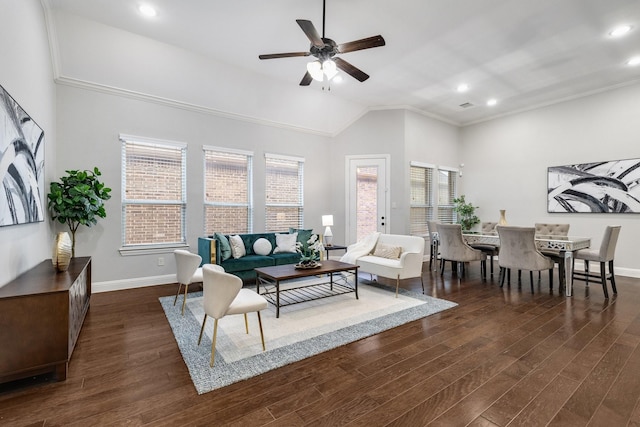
506 162
89 123
26 73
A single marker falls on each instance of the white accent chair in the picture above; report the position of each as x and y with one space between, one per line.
188 271
223 296
603 255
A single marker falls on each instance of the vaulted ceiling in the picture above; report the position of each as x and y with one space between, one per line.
523 53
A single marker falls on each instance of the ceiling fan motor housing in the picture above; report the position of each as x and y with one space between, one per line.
328 51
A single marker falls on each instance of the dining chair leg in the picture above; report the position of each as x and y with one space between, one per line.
509 276
502 276
531 280
613 278
551 278
519 277
603 279
202 329
586 272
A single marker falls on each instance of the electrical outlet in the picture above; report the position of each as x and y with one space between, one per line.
160 260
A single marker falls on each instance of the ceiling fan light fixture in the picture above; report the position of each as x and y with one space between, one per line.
315 69
329 68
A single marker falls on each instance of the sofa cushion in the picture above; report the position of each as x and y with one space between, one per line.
286 258
303 236
385 250
225 247
237 246
262 246
248 262
286 243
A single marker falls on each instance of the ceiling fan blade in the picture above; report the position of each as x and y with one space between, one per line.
306 80
283 55
369 42
311 32
354 72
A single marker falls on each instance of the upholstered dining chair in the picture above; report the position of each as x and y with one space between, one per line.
223 295
433 251
543 229
518 251
489 250
453 248
603 255
188 271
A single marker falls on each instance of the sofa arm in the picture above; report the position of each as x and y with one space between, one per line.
209 250
411 264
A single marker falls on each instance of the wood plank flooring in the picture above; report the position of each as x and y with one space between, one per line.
503 357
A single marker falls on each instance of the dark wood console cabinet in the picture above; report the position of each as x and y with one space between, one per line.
41 313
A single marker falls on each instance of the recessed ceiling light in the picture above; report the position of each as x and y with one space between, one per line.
620 31
463 87
492 102
634 61
147 10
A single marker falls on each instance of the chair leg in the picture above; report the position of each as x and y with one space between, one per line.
586 272
613 278
213 342
422 283
397 284
551 278
246 323
177 293
603 279
202 329
261 333
491 266
442 262
184 301
503 273
519 277
531 280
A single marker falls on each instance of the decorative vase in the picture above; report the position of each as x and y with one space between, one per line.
61 256
503 219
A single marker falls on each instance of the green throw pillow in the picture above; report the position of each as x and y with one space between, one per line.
225 247
303 236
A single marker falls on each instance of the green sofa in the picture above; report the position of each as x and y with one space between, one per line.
209 248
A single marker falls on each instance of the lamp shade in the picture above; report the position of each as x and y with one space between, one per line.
327 220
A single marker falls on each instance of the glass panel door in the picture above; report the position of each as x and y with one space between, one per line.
366 202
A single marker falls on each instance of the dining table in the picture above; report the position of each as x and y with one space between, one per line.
564 245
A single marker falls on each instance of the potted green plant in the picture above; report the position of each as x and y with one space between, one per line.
466 213
78 199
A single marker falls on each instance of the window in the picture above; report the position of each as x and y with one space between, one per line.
446 193
421 205
228 193
284 192
154 192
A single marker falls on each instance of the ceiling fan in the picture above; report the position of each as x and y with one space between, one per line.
325 50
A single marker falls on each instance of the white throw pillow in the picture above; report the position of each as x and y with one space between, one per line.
286 243
387 251
237 246
262 246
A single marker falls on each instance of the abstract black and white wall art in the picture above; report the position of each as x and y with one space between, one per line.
602 187
21 164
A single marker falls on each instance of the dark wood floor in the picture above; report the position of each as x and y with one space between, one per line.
502 357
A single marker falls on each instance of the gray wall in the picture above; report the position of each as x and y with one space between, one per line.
26 74
506 162
89 123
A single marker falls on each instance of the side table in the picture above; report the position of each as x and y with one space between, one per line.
334 248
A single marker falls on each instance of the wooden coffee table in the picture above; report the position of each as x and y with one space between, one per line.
334 284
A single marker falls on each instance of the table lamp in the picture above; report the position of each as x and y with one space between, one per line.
327 221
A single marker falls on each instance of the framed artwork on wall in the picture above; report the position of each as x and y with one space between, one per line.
600 187
21 164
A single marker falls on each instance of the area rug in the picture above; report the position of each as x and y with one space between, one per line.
301 331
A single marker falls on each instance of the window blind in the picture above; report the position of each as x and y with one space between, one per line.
421 203
284 195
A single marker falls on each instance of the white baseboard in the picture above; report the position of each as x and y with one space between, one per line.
140 282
